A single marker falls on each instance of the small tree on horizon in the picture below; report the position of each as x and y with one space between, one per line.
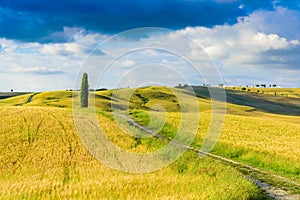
84 91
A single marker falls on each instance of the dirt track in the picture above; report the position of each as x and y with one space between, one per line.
273 192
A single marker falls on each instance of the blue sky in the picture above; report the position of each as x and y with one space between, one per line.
44 45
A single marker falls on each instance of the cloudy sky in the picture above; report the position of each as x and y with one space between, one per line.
46 45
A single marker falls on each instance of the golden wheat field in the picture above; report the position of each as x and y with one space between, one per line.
42 157
283 92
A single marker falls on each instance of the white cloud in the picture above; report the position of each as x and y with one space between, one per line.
258 47
39 70
242 43
256 44
62 49
270 41
51 49
127 63
218 51
7 46
295 42
281 21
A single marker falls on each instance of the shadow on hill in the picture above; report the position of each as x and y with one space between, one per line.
261 102
5 95
99 96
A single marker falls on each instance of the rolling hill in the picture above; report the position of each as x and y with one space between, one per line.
38 140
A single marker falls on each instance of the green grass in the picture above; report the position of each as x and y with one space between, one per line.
267 141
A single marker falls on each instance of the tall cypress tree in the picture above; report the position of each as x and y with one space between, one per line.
84 91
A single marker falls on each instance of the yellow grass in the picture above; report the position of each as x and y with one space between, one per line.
42 157
15 101
269 141
283 92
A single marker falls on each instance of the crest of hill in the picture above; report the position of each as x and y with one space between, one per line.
168 99
135 98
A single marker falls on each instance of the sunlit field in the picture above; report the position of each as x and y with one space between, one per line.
274 91
269 141
42 157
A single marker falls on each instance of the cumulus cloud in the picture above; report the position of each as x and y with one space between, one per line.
251 50
243 43
283 21
271 41
62 49
251 47
217 51
39 71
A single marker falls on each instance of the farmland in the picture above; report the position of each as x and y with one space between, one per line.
282 92
43 156
273 146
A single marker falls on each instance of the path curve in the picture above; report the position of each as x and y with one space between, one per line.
271 191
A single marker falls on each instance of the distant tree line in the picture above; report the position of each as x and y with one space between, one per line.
264 85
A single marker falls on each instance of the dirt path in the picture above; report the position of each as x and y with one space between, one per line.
265 182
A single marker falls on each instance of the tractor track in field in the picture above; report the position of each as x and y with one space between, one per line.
31 96
275 186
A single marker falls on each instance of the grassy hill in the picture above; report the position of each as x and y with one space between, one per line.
281 92
265 102
15 100
142 98
43 156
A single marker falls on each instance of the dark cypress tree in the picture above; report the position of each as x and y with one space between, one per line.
84 91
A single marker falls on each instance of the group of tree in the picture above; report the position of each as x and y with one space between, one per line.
264 85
